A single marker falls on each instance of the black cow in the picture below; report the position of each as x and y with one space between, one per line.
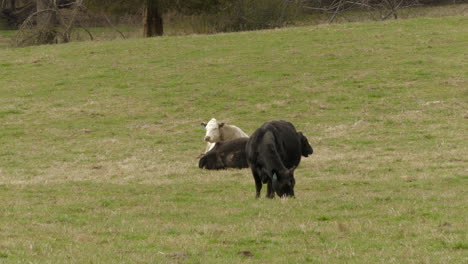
273 153
225 154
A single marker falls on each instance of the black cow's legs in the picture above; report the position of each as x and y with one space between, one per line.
270 193
258 187
258 183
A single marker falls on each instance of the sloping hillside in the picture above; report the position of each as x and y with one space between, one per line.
99 145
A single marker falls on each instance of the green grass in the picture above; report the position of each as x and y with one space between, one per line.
99 143
6 37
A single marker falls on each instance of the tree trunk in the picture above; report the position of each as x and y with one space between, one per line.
5 4
152 19
8 4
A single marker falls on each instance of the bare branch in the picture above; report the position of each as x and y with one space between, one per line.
87 31
330 20
69 27
114 27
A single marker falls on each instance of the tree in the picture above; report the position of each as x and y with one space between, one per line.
47 24
15 12
386 8
152 19
153 10
46 19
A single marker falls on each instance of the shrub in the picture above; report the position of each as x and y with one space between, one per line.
242 15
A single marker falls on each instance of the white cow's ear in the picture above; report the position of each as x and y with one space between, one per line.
221 124
203 125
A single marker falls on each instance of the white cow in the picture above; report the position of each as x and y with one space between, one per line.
216 132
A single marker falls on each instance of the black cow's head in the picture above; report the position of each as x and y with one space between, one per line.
306 148
210 161
283 182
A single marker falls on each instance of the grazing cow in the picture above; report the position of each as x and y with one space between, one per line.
216 132
225 154
273 153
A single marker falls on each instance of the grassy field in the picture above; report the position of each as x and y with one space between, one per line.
98 147
6 37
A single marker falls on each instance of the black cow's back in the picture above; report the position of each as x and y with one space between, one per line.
226 154
287 142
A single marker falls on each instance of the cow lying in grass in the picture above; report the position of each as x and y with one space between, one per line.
273 153
225 154
216 132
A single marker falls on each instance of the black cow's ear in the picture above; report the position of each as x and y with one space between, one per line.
221 124
203 125
274 177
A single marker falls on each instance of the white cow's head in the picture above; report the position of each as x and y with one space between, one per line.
213 133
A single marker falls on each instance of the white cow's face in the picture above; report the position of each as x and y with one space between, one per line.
213 133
